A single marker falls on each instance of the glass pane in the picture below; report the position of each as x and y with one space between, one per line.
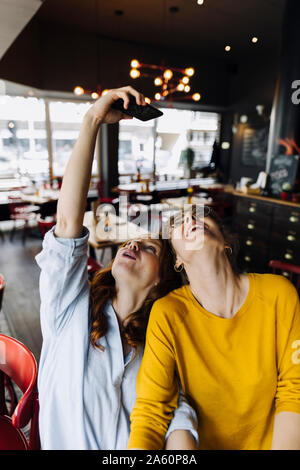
136 149
23 143
66 118
178 129
167 136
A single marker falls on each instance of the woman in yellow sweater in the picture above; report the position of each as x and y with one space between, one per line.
233 339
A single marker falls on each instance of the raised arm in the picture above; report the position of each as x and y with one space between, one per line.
76 180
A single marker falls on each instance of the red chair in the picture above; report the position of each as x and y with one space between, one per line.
19 210
291 271
101 190
46 224
18 364
93 267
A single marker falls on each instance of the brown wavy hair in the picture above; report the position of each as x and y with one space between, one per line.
103 288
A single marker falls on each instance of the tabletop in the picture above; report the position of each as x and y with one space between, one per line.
120 230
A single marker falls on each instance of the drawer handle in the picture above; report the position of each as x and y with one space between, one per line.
247 258
252 209
250 226
294 219
249 242
291 238
288 256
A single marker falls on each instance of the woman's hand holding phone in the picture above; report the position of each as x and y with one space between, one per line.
105 114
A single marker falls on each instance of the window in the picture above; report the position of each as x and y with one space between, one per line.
22 129
136 147
66 118
25 133
162 141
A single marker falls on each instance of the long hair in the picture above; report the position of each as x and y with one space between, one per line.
103 288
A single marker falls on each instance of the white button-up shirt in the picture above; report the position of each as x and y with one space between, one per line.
86 395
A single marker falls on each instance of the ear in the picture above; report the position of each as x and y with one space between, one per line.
178 261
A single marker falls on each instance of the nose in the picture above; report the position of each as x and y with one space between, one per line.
134 245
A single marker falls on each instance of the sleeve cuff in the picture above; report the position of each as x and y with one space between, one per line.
292 407
67 246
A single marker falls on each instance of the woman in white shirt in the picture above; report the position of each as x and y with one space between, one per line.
93 335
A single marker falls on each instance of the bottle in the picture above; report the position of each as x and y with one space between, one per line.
107 227
190 195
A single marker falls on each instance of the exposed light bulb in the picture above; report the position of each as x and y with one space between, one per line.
225 145
134 73
196 97
95 95
187 88
134 64
180 87
148 100
200 2
157 96
189 71
78 90
243 118
185 80
11 125
104 92
158 81
168 74
254 39
227 48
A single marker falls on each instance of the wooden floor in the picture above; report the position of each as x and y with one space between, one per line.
21 301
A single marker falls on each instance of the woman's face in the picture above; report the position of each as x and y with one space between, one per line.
195 234
138 262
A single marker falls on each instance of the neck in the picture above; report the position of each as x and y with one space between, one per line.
220 291
127 300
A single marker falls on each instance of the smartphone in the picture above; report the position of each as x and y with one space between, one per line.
143 113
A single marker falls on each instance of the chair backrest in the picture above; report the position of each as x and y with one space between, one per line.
93 267
18 363
291 271
2 287
45 225
15 202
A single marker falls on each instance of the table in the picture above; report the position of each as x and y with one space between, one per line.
121 231
161 186
44 195
179 202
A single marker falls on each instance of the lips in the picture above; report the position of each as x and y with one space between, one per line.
199 225
129 254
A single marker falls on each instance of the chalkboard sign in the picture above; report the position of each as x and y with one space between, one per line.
283 170
255 144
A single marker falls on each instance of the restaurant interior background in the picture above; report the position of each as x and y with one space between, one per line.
235 115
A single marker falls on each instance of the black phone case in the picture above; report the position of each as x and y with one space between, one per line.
143 113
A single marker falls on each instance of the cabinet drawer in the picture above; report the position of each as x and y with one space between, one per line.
253 227
252 260
251 207
285 253
290 215
287 238
252 243
286 229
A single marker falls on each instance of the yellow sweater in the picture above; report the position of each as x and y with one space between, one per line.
237 373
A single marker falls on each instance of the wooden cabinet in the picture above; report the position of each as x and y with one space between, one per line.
266 230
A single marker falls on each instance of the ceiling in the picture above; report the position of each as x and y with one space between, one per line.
14 15
205 29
